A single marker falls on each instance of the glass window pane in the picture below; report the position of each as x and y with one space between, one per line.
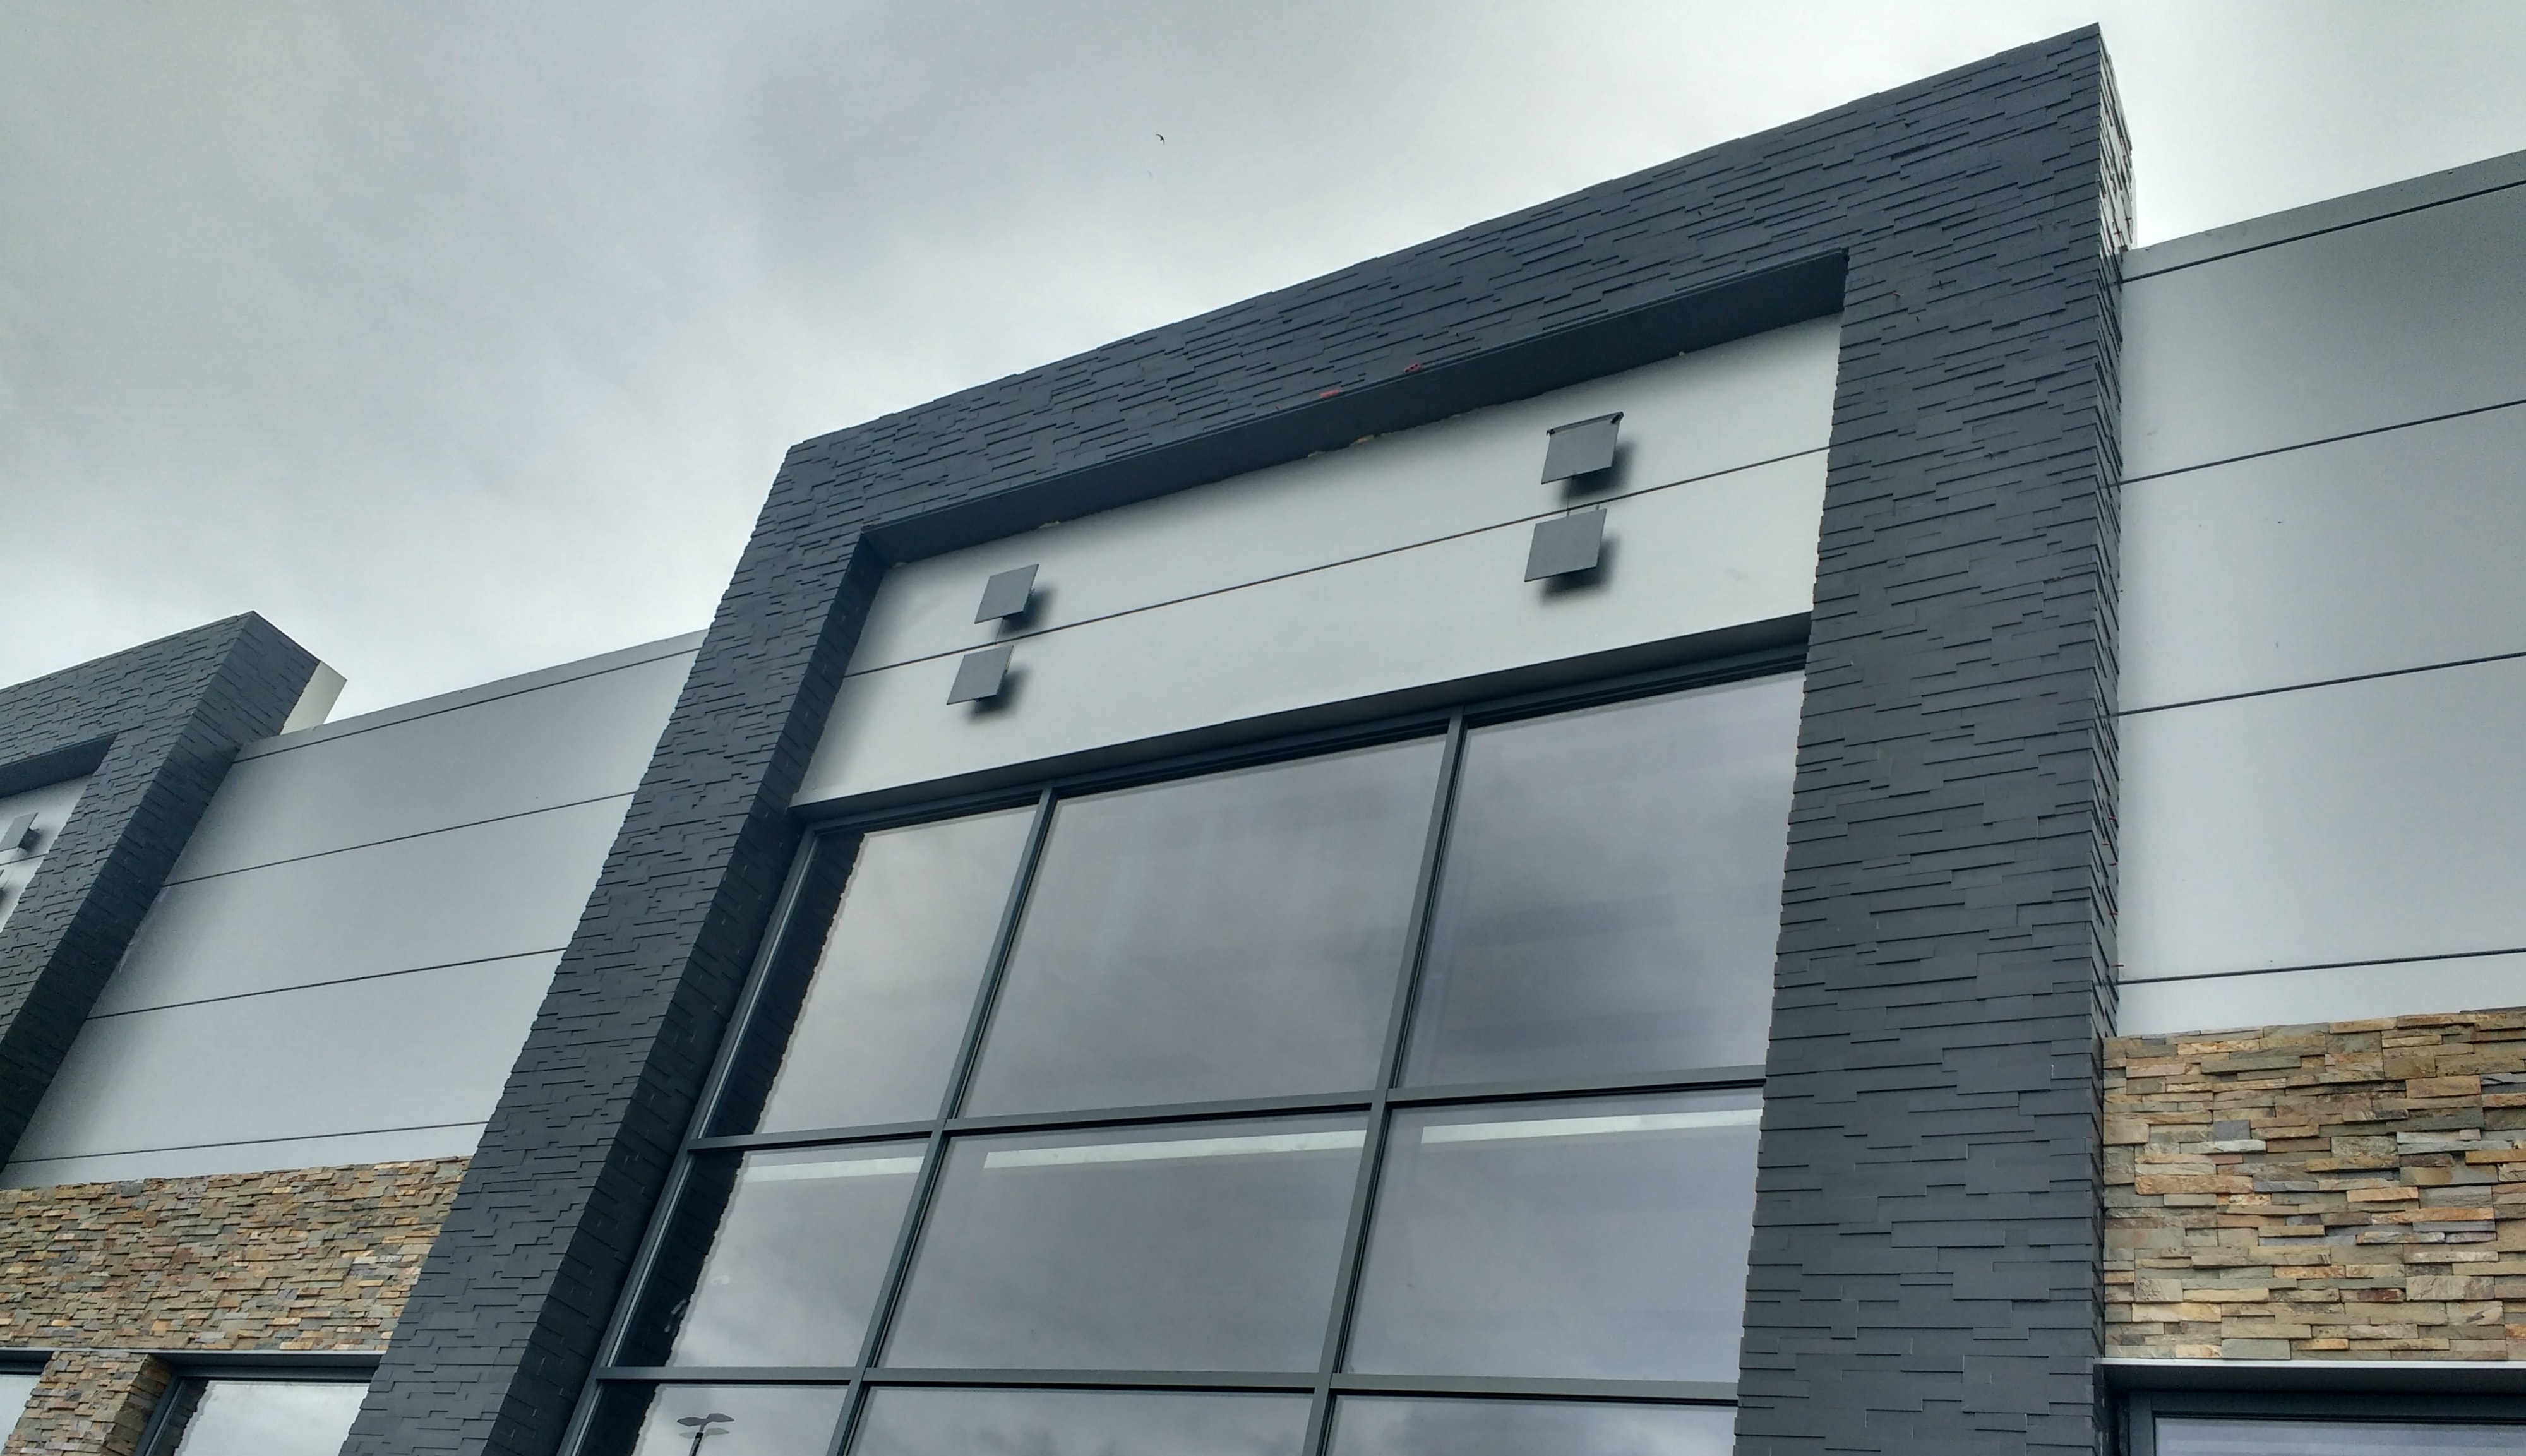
1230 936
752 1419
1612 898
1191 1246
904 1421
894 988
1598 1239
1384 1426
270 1418
2194 1436
795 1265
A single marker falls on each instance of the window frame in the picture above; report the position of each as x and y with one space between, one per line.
2141 1408
785 961
191 1370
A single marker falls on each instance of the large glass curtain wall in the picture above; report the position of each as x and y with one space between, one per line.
1395 1098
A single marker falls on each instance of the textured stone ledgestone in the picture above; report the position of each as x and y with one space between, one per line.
2353 1190
108 1276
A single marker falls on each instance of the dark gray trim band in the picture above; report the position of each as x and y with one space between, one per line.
1924 1271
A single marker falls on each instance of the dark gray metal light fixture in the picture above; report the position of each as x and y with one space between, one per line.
980 674
1565 545
1006 595
1579 448
18 833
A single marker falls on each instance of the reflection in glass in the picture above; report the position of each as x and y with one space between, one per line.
795 1269
1191 1246
1230 936
1611 897
15 1388
753 1420
1598 1239
2195 1436
894 988
906 1421
269 1418
1412 1426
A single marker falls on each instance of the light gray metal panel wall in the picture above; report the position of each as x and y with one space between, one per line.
353 946
224 1085
51 805
2361 822
2322 812
2390 551
2406 317
506 887
509 750
1719 409
1711 554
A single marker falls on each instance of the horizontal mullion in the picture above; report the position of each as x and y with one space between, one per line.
867 1133
1691 1078
1688 1392
729 1374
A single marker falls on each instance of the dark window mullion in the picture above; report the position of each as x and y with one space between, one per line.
934 1160
1398 1030
644 1259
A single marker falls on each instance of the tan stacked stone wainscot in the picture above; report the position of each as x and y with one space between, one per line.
2351 1190
108 1276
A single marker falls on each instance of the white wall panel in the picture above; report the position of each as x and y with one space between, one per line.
2396 320
580 738
1715 553
426 1051
454 1140
2360 822
502 889
2394 550
1717 408
2332 993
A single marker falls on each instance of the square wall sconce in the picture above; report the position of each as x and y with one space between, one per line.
1581 448
1565 545
17 834
1006 595
980 676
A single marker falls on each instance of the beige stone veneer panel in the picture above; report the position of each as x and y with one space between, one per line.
2351 1190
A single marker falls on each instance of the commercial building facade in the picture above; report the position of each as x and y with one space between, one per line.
1795 803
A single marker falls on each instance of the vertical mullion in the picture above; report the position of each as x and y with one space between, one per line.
1389 1069
934 1160
627 1300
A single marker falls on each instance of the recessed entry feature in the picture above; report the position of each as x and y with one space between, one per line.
1566 544
980 676
1007 593
18 833
1579 448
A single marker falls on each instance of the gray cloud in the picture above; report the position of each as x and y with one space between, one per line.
461 339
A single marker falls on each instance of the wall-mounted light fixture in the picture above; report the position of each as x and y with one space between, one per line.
980 676
1006 595
1582 447
1565 545
17 834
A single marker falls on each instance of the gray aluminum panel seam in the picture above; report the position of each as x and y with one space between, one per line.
452 828
2330 439
477 696
1544 514
157 725
2331 214
1924 1274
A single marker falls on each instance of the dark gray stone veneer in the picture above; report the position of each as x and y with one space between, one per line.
156 727
1924 1273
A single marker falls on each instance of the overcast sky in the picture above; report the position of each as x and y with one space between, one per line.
462 340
